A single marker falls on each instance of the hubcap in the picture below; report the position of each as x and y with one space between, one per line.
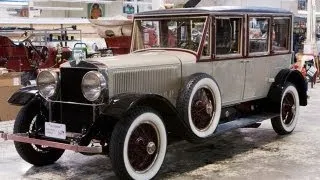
288 108
151 148
143 147
202 108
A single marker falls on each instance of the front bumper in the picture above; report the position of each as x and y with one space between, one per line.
25 139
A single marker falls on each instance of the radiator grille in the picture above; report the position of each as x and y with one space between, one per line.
71 84
145 80
76 117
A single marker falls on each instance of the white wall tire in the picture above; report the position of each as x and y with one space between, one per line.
128 144
200 92
289 111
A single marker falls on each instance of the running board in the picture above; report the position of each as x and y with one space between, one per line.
243 122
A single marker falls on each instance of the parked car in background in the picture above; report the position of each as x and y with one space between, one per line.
182 85
117 33
29 51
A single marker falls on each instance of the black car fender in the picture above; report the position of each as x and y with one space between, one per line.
23 95
288 75
120 104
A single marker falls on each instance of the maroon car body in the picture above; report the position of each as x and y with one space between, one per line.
27 57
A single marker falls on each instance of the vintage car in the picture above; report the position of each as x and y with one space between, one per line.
129 107
28 58
116 32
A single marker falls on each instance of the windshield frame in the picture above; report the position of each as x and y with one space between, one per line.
148 18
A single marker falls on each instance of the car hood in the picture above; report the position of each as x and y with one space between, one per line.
140 59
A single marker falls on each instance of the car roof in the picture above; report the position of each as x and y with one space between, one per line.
215 10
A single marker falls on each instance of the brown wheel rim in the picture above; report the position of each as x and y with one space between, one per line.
143 147
288 108
202 108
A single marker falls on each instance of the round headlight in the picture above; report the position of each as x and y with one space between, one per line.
47 83
92 85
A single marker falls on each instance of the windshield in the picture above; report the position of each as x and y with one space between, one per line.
171 32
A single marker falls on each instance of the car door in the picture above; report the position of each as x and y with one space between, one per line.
228 65
257 78
257 65
230 76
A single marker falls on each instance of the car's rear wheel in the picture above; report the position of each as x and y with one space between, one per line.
289 111
28 121
199 104
138 144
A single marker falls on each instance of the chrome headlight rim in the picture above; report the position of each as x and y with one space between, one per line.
54 82
102 85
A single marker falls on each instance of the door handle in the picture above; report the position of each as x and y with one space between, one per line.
245 61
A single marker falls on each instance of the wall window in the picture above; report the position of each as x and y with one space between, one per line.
280 35
228 35
258 35
135 6
302 5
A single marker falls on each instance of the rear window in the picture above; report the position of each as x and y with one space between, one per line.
258 34
280 34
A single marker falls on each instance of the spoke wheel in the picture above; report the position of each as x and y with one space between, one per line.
202 108
138 144
286 122
288 108
143 147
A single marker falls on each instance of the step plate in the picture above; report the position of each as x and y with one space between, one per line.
242 122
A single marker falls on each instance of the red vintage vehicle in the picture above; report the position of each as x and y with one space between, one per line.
25 57
116 32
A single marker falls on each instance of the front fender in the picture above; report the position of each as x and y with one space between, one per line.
23 95
119 105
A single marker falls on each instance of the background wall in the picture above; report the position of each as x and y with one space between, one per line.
291 5
111 9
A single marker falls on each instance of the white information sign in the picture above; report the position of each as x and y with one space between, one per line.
55 130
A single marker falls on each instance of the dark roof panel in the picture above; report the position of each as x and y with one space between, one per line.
213 10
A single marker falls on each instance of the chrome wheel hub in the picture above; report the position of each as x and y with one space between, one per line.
209 108
151 148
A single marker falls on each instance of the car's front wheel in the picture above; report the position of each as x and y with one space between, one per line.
289 111
29 120
138 144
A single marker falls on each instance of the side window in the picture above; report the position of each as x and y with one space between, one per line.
280 35
150 33
228 35
206 46
258 34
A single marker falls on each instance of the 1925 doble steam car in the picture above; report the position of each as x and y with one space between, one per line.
221 69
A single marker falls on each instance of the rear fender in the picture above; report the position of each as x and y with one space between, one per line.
292 76
23 95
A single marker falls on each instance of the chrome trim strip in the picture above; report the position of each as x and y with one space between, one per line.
67 102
